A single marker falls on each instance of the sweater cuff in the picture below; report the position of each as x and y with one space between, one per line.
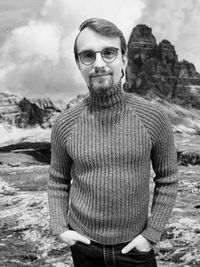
58 230
152 235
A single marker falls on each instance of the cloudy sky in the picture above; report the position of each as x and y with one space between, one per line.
37 36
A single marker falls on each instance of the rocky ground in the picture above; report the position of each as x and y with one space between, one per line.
25 235
24 220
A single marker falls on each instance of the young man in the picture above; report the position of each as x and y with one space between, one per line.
100 166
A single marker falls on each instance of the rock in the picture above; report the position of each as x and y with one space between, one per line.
24 112
154 70
76 100
190 259
31 114
9 107
25 154
166 53
186 158
168 233
177 256
165 246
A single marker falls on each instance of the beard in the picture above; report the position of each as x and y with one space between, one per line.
101 84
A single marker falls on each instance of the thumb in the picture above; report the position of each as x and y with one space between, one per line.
128 247
84 239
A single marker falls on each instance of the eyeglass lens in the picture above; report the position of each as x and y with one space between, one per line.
108 54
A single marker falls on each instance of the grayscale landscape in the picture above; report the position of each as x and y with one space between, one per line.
154 72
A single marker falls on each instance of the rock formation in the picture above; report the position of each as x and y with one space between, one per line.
8 107
24 112
75 101
154 70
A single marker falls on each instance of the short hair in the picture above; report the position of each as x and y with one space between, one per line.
103 27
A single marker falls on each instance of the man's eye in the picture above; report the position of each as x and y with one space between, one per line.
109 52
88 55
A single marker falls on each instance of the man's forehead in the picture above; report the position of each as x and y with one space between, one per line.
91 40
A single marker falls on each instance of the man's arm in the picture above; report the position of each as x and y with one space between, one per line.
59 181
164 162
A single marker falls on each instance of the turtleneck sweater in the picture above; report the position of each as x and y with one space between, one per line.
101 155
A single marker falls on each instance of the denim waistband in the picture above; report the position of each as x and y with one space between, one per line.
103 245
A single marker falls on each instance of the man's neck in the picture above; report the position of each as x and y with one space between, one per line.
106 97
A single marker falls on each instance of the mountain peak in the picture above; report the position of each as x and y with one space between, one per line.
154 70
142 34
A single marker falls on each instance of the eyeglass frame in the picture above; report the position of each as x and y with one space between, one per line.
95 52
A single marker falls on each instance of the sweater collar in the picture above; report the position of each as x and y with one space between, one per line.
107 98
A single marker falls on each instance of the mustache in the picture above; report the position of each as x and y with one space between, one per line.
102 73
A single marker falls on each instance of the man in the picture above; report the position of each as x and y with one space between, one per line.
100 165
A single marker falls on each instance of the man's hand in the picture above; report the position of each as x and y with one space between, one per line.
71 237
140 243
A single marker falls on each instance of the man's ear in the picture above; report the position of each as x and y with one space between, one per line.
124 60
78 63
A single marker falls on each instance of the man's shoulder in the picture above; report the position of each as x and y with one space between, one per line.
143 106
68 116
151 114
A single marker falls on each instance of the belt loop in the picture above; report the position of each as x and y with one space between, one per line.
113 252
109 255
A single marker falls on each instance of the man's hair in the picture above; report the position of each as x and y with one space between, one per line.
103 27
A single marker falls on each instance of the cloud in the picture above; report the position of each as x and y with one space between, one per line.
178 21
37 59
31 61
73 13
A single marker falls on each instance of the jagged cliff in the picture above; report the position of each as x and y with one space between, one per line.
24 112
154 70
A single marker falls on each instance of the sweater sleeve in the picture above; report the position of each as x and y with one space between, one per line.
164 162
59 181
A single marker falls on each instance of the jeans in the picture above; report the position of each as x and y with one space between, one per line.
98 255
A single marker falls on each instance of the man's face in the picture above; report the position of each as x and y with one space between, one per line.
100 74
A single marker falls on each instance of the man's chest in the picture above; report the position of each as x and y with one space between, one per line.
109 138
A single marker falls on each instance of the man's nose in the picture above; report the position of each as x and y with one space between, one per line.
99 62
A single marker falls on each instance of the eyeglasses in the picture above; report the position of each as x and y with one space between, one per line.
88 57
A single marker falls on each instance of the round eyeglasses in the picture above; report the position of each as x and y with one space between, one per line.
109 54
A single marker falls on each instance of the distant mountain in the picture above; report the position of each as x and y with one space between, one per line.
76 100
154 70
23 112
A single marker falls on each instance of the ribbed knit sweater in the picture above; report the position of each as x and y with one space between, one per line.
101 155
